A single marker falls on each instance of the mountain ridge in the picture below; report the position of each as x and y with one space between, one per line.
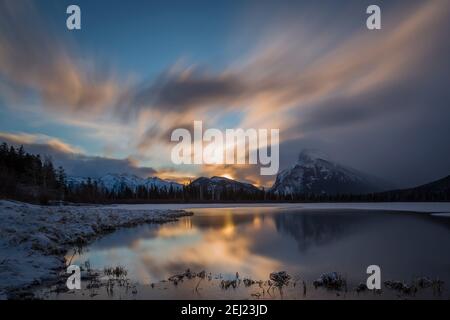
435 190
310 175
114 182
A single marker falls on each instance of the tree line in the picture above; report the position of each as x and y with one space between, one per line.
28 177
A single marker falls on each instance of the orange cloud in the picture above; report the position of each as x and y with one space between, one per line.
26 138
32 58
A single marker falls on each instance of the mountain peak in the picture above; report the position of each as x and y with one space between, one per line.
219 187
218 178
313 174
311 155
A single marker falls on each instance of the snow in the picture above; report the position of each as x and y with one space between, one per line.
115 182
34 239
221 183
311 171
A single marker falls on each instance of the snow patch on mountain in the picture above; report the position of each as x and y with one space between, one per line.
312 174
116 182
215 183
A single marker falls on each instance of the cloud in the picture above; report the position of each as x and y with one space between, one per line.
33 58
74 162
90 166
319 82
314 89
39 139
276 85
181 90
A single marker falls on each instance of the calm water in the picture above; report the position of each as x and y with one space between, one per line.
257 241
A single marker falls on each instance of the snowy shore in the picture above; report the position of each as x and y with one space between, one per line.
34 239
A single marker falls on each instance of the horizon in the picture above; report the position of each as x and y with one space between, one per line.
105 98
224 156
186 181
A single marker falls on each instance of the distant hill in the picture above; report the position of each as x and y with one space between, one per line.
438 190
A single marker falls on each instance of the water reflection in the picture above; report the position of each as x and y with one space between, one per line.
319 227
257 241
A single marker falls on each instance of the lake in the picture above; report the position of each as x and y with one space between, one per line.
252 242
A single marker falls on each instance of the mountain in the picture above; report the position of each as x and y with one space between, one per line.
312 174
438 190
117 182
221 188
441 185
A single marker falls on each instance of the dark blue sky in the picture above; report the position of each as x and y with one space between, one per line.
113 91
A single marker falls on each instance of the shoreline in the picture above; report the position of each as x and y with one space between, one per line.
204 286
35 239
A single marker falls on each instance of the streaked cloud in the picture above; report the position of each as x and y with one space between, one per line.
276 76
39 139
314 81
33 59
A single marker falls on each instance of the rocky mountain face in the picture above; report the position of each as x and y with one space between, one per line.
314 175
222 188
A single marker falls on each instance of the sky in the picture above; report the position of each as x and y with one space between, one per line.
107 97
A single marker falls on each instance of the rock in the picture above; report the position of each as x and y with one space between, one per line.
401 287
280 278
177 277
225 284
332 280
187 274
248 282
424 282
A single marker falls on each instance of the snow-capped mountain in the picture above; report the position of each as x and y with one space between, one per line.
314 175
117 182
218 187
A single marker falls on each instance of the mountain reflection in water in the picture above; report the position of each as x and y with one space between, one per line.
257 241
